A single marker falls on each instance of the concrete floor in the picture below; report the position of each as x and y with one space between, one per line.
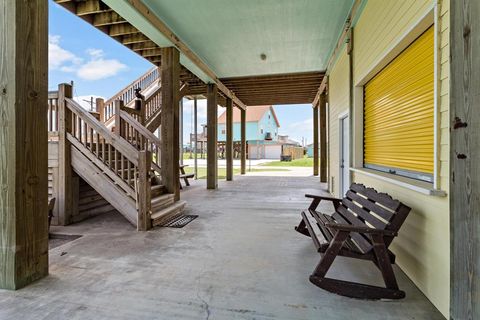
241 259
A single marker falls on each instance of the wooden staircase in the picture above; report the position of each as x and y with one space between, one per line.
149 115
122 166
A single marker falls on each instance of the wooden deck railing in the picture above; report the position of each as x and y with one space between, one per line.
128 93
52 114
131 128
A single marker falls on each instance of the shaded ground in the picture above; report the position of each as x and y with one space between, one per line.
240 259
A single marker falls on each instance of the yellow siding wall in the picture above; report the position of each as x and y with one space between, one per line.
423 245
382 24
338 100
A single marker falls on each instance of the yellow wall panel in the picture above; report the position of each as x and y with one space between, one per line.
338 97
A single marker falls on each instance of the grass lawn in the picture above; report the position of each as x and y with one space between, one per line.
222 172
304 162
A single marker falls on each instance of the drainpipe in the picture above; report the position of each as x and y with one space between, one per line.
351 99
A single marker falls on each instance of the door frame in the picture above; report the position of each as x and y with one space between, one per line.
342 117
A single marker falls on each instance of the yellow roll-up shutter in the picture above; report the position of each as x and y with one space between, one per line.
399 113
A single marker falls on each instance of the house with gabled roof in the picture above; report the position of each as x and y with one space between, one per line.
261 131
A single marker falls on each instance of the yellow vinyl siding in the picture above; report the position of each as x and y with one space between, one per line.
399 111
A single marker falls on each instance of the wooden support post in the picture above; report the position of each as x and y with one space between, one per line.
243 141
322 105
229 142
100 105
118 105
195 126
144 191
23 142
212 104
180 132
170 120
464 155
66 191
315 140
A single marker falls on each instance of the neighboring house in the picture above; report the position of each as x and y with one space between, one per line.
261 131
310 150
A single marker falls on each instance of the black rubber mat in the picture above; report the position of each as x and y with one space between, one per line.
180 221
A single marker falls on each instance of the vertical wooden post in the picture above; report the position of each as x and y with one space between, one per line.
100 105
464 155
23 142
170 120
180 133
66 194
144 191
212 136
243 141
118 105
315 140
195 109
229 142
322 105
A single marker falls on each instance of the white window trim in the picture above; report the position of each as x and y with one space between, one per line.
431 16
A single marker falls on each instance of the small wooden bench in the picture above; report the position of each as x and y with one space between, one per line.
185 176
363 227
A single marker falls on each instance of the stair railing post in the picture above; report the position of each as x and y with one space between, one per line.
66 201
118 104
144 201
100 105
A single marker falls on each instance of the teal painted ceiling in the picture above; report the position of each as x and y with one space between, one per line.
231 35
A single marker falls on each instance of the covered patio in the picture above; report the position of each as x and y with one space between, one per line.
240 259
394 89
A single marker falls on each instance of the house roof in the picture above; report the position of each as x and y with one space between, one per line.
254 114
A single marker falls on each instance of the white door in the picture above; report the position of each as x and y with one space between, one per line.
344 156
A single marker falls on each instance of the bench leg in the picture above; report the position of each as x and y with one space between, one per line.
330 255
186 181
383 262
353 289
302 228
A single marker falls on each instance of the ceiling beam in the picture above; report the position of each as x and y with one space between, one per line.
183 48
107 18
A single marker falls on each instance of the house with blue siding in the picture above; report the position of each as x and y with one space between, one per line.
261 131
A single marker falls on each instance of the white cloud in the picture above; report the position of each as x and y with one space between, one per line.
57 56
99 68
95 53
96 68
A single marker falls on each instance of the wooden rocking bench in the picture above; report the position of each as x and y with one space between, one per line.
363 227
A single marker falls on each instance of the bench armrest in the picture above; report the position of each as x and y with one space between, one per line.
322 198
364 230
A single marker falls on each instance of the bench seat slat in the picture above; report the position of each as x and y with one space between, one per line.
310 231
322 219
365 215
370 205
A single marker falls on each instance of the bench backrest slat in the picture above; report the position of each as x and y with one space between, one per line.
372 194
363 214
370 205
365 207
342 215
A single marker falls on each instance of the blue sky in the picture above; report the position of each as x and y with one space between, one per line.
100 66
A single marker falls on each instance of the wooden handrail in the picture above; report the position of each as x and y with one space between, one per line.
121 145
141 129
128 93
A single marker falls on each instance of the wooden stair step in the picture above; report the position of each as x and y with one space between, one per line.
157 190
162 216
162 201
